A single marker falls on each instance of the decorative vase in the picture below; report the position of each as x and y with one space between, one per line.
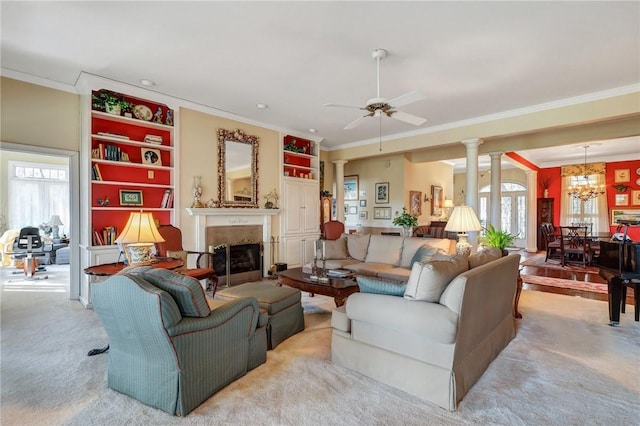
407 231
546 193
112 109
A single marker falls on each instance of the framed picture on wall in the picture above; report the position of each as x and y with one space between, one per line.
622 175
436 200
415 201
635 197
363 215
382 193
351 188
353 209
382 212
622 199
363 203
624 214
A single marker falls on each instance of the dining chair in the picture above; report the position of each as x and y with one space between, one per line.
589 226
574 245
552 242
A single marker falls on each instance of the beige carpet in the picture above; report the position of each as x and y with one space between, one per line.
565 367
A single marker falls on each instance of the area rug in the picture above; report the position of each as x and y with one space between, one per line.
538 261
560 283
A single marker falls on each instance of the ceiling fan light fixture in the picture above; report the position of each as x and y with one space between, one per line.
262 106
147 83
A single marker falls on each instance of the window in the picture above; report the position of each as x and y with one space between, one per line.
514 210
576 210
36 192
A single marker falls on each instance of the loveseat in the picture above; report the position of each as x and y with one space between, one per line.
383 256
434 336
168 349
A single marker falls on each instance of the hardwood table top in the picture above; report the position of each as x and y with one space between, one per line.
338 288
109 269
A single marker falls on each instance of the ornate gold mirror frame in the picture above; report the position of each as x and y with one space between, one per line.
230 195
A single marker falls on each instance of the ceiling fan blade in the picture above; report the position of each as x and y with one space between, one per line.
408 118
356 122
406 99
342 106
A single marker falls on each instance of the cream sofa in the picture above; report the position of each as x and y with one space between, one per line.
437 340
383 256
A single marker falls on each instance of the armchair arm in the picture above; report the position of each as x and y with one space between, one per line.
218 317
204 254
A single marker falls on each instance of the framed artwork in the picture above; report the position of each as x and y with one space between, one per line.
351 188
622 175
436 200
415 201
382 193
363 215
353 209
151 156
382 212
635 197
622 199
363 203
624 214
130 198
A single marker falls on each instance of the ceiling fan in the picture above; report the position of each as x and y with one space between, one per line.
378 106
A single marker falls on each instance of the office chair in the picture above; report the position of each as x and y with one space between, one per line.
29 239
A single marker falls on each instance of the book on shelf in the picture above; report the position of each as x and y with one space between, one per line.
97 239
154 139
113 135
109 235
95 172
165 198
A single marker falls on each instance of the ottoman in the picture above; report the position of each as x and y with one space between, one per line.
282 304
63 255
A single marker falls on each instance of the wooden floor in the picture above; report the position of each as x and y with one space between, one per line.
567 275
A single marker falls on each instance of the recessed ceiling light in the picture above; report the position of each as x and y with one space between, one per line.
261 106
147 83
312 130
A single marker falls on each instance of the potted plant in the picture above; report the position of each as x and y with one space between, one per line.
110 102
407 221
497 238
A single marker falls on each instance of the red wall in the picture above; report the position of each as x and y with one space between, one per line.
552 174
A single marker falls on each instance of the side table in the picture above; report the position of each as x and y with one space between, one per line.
109 269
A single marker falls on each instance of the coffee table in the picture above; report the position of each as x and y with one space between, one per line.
338 288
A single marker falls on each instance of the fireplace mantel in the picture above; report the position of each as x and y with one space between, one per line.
232 217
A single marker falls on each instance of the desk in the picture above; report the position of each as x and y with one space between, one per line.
109 269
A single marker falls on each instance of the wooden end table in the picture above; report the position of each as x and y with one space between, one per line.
109 269
338 288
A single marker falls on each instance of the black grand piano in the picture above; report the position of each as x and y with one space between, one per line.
620 265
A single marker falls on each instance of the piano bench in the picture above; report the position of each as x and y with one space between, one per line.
635 285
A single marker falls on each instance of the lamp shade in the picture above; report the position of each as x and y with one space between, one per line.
448 203
463 219
55 220
140 228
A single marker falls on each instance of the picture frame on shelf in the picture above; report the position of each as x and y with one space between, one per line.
353 209
130 197
415 201
151 156
622 199
351 188
382 212
363 215
625 214
635 197
622 175
382 193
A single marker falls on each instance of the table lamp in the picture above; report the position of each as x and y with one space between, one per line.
55 223
463 219
138 238
446 209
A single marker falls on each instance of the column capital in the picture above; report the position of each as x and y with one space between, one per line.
496 154
340 161
472 142
530 172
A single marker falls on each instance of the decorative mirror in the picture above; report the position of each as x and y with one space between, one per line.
237 169
436 200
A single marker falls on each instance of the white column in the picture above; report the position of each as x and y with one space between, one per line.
495 198
532 180
472 183
340 189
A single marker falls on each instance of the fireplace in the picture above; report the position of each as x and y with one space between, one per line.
237 252
233 227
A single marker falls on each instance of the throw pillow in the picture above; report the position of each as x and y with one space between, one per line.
186 291
357 246
334 249
380 286
486 255
178 254
428 280
424 254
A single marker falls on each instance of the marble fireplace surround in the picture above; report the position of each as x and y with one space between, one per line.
225 217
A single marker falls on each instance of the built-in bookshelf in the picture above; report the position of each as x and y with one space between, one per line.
300 158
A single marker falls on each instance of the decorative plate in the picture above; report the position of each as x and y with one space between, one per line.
142 112
638 171
638 182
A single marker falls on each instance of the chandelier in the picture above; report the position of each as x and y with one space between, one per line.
585 190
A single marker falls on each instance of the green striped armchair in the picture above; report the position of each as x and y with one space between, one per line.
168 349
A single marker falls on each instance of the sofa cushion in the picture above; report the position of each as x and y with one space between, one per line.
335 263
486 255
397 274
425 254
357 246
384 249
428 280
367 268
380 286
334 249
186 291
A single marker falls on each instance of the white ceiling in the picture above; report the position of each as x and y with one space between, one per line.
470 59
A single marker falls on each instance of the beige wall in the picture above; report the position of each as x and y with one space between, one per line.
515 175
36 115
199 157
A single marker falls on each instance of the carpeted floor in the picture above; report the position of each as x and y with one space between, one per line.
538 260
566 366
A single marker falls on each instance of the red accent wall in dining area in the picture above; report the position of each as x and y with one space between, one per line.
634 185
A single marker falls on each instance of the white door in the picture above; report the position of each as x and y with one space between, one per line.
514 210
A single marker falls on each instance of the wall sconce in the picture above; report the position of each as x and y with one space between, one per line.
426 198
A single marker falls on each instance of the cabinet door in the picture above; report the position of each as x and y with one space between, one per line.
311 207
298 249
293 201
